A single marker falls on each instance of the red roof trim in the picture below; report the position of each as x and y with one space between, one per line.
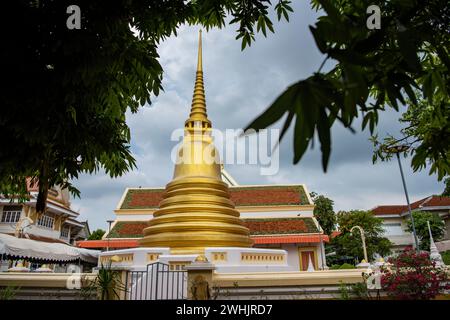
437 201
132 243
335 233
432 201
113 243
317 238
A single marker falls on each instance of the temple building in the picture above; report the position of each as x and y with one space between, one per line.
395 219
278 217
204 214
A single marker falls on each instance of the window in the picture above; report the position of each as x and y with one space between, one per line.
11 214
65 232
46 221
393 229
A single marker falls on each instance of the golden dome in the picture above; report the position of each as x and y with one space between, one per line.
196 210
201 258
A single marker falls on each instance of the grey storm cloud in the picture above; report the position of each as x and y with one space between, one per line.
239 86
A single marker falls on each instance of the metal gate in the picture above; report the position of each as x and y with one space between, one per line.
158 282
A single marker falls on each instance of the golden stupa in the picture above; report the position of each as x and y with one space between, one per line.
196 211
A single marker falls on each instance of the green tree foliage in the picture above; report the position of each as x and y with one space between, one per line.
446 192
324 212
426 136
446 257
437 227
374 69
67 92
351 244
97 234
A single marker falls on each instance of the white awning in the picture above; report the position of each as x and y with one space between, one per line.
26 248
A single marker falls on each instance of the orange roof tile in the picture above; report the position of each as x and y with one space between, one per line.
257 226
113 243
437 201
432 201
132 243
241 196
317 238
272 226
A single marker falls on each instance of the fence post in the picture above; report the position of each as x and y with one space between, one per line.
122 287
200 276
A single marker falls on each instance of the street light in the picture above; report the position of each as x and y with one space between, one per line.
363 239
397 149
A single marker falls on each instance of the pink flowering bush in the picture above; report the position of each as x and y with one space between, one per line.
413 276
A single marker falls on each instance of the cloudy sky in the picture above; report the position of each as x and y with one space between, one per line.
239 86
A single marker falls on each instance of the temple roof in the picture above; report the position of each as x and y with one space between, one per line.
289 195
423 204
261 240
277 226
128 229
258 227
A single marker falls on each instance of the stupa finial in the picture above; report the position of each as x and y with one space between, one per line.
198 117
199 59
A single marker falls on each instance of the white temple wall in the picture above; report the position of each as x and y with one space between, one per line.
292 255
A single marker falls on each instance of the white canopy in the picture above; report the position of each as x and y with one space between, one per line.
26 248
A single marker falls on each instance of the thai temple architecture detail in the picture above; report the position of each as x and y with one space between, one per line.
204 214
196 210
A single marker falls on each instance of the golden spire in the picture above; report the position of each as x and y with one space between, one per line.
199 58
196 211
198 117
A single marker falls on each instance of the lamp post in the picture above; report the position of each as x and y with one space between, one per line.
363 239
109 230
397 149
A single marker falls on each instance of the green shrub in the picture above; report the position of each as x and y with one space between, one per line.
342 266
446 257
359 291
344 293
8 293
335 267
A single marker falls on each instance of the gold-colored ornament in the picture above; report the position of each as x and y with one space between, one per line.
201 258
196 210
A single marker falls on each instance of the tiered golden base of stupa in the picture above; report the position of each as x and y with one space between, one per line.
196 211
